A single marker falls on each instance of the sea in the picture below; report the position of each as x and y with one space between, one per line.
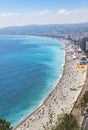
30 67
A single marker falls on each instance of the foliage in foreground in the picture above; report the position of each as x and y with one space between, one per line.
84 99
67 122
4 125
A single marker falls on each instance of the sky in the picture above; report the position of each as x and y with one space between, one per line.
23 12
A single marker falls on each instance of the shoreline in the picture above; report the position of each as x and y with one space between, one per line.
33 120
51 90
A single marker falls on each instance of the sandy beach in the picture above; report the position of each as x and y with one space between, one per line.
61 99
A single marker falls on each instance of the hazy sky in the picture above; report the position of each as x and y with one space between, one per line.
21 12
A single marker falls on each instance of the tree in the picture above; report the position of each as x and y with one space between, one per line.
84 100
67 122
4 125
85 97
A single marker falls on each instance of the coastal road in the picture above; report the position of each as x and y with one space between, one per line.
85 123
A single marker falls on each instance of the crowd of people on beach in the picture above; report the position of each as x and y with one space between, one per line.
60 100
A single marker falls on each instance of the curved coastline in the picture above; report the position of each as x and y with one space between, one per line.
50 69
52 89
61 99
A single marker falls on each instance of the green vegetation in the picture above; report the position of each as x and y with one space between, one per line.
64 122
84 100
4 125
67 122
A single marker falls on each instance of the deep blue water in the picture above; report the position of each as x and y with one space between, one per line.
29 69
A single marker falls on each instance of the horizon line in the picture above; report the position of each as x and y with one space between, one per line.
43 24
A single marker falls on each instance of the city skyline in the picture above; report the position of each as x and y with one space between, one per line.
22 12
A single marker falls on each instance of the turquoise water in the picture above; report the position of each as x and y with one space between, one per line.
29 69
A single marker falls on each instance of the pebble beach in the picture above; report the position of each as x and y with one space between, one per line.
61 99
